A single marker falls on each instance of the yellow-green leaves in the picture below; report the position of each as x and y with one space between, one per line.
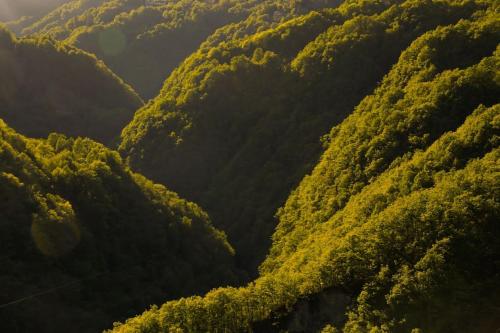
55 230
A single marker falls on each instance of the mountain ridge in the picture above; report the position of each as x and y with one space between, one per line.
401 231
48 86
299 166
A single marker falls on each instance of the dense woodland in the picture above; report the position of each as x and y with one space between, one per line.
339 162
72 212
244 145
143 44
47 87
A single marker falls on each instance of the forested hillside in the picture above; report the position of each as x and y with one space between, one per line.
84 240
294 166
237 126
46 86
396 228
143 41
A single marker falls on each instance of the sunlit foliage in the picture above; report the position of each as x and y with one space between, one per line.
73 217
400 216
237 126
373 124
155 36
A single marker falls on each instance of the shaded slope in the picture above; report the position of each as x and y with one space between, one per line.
47 86
88 241
143 42
399 218
237 126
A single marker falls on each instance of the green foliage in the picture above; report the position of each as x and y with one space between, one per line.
329 329
414 105
47 86
237 126
401 213
75 218
157 38
388 223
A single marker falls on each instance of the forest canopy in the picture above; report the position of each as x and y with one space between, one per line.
143 41
74 217
250 166
391 230
47 86
259 140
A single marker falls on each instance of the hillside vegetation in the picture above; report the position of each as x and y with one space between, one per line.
143 41
47 87
237 126
396 228
84 240
294 166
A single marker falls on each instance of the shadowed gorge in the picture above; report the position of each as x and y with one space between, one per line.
72 212
220 137
143 41
50 87
398 215
299 166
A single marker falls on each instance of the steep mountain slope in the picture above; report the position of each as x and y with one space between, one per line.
46 86
238 125
143 41
396 229
85 241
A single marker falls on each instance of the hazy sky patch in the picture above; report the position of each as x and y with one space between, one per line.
14 9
